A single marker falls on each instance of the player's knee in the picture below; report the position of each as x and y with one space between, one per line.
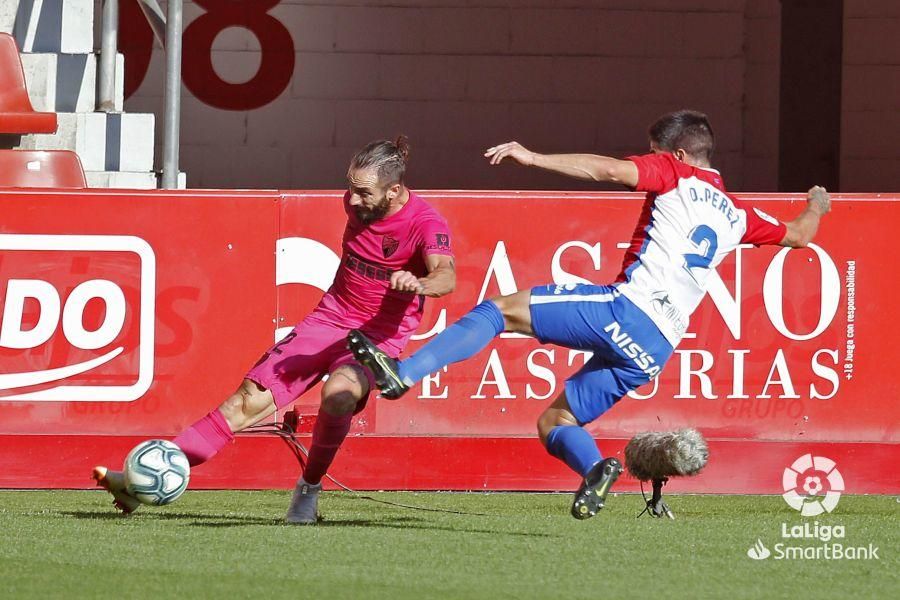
515 310
550 419
504 304
345 387
339 403
545 424
246 404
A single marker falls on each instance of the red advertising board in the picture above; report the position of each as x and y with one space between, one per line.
130 315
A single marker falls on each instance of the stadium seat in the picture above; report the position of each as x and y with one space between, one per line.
16 113
41 168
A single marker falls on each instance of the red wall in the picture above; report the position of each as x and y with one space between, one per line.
193 300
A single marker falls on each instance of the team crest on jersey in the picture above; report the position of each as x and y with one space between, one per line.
389 245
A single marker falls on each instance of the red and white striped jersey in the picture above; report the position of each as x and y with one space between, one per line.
689 223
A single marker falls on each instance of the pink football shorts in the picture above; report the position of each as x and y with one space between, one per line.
313 349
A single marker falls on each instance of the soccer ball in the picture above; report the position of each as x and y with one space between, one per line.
156 472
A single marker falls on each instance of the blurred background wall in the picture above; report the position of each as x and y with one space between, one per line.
279 94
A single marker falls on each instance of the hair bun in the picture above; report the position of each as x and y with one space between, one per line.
402 143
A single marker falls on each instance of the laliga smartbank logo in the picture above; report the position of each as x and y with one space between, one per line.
812 486
78 317
759 551
819 480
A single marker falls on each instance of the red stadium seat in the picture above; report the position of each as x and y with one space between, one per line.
37 168
16 113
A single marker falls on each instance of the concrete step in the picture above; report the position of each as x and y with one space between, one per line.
104 141
67 82
50 25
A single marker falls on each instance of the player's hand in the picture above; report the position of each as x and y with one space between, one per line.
513 150
818 198
404 281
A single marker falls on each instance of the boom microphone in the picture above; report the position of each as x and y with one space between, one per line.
657 455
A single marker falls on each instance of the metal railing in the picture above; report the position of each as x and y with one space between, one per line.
167 29
109 45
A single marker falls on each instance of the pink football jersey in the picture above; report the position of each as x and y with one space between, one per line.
360 296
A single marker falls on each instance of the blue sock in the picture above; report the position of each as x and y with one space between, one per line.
461 340
574 446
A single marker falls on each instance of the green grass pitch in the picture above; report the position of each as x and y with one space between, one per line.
235 545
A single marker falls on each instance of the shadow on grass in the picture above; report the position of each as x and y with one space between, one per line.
226 521
197 518
415 523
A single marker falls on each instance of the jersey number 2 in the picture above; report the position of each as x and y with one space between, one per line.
707 242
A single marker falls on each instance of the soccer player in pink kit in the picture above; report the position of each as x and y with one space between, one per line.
396 251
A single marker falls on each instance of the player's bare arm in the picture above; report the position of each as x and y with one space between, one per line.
440 281
802 230
586 167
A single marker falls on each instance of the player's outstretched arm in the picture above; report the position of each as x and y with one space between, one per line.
440 281
802 230
586 167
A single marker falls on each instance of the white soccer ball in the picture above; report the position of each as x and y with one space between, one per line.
156 472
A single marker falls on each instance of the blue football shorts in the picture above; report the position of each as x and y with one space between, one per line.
628 349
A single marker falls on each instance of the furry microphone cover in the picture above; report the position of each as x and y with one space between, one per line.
660 454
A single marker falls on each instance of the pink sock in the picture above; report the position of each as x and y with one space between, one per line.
328 434
202 440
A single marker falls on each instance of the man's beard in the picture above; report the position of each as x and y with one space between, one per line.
369 215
